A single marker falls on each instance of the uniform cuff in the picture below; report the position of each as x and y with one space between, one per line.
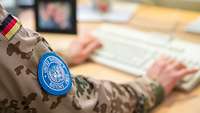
159 93
157 90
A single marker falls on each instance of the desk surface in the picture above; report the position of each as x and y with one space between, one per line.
146 18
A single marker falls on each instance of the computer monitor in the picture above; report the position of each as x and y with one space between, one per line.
8 3
57 16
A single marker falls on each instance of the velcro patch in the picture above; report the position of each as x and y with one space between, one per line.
9 27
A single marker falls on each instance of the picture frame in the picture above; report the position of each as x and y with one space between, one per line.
56 16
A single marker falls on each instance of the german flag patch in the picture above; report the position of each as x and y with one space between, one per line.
9 27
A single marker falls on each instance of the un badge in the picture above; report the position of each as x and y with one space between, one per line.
53 75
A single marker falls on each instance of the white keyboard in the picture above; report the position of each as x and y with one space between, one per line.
134 51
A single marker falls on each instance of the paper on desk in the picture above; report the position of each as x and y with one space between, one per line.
120 12
194 27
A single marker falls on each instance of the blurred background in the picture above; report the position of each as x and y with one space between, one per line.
184 4
11 5
18 6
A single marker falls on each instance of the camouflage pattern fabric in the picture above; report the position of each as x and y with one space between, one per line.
21 92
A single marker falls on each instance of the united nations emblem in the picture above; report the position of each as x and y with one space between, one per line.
53 75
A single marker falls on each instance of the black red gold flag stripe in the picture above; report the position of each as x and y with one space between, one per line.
9 27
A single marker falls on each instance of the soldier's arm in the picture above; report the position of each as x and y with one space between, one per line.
21 50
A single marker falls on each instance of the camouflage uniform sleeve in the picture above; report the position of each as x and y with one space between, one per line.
138 96
21 92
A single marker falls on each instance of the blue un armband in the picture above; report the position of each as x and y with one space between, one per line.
53 75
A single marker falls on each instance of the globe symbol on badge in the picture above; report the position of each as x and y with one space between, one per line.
56 73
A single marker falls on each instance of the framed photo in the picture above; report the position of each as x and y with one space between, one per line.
56 16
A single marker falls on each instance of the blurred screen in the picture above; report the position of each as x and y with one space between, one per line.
8 3
10 6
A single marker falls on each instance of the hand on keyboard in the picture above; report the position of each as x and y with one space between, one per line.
134 51
168 72
80 49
